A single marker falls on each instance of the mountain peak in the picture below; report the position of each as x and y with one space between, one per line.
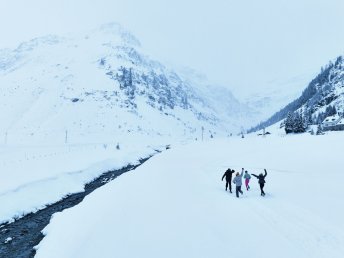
39 41
115 29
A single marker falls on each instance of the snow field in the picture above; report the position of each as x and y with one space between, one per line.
175 205
35 176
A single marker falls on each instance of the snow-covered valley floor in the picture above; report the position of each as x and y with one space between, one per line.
175 205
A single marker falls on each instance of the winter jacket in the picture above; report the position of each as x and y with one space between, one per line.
238 180
228 175
247 176
261 177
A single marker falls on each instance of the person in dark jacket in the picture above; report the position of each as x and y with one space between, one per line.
228 175
238 182
261 181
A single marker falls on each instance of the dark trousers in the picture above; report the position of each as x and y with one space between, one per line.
238 190
262 189
229 184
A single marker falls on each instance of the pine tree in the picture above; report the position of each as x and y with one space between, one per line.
330 111
297 128
320 118
307 116
305 122
295 123
289 123
320 130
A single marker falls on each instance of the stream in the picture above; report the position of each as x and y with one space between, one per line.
18 238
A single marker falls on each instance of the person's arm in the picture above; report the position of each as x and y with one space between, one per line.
223 176
254 175
265 173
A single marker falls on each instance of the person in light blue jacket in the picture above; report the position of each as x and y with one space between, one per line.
238 182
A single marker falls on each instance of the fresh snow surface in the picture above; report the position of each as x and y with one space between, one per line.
65 104
34 176
175 204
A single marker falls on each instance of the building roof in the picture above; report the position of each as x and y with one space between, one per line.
341 122
332 119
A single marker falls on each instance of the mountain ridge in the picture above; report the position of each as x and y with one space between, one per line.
325 90
104 74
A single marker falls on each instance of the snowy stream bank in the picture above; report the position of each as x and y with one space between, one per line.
19 237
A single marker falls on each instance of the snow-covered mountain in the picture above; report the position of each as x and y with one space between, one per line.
272 95
99 84
322 98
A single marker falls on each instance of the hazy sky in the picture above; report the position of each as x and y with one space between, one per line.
244 44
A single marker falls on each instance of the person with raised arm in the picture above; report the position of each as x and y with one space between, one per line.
261 181
238 182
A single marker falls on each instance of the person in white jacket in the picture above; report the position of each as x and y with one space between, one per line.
238 182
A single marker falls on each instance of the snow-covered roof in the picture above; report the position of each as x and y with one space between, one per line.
332 119
341 122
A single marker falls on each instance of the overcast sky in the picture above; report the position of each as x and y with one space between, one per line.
244 44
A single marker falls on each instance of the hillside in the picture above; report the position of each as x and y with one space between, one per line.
70 104
99 84
323 97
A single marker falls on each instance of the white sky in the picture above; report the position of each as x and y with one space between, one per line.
244 44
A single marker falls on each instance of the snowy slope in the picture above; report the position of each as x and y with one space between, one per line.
175 205
102 82
222 99
273 95
329 91
66 102
323 93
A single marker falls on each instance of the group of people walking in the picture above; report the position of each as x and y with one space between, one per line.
238 180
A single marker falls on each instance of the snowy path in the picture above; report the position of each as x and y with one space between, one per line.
175 205
25 233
